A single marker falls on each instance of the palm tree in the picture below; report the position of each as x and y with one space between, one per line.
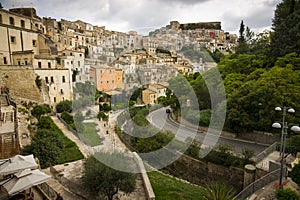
218 191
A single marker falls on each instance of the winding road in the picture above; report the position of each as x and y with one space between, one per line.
160 119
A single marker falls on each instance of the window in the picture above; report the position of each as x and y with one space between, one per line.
22 23
46 79
61 91
0 18
39 64
49 64
80 54
19 62
13 39
54 99
52 80
34 43
4 60
63 79
107 81
26 63
71 42
78 63
71 54
11 21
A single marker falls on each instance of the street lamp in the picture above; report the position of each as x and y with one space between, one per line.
284 126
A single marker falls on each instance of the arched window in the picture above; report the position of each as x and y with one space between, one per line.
11 21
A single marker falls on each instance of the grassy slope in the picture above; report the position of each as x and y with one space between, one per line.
166 187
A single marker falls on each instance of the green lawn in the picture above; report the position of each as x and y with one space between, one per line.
90 135
166 188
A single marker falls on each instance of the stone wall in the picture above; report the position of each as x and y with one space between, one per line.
201 173
261 137
21 83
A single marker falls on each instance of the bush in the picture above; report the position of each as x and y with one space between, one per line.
295 174
64 106
286 194
69 119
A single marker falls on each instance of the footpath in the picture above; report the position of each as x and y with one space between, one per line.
111 142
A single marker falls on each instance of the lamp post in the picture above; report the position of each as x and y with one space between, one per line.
284 127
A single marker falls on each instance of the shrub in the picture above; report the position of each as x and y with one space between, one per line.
295 174
286 194
64 106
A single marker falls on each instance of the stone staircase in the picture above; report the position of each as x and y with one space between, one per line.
45 92
3 100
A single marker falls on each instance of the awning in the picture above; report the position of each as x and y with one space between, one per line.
16 164
23 181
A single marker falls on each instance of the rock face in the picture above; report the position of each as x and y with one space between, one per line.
20 80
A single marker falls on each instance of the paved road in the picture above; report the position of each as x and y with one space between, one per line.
160 119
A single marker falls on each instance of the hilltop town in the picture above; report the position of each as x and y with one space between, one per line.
63 52
43 59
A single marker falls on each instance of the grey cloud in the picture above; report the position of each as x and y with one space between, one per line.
271 3
258 19
188 2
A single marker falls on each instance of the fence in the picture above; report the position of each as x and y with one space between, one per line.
258 184
265 153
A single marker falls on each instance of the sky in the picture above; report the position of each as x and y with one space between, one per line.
147 15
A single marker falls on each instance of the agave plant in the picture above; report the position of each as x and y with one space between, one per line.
218 191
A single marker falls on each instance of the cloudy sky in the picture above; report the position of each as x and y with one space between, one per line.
146 15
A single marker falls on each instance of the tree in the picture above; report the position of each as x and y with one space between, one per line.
286 25
78 117
242 44
101 180
47 146
64 106
102 115
295 174
106 107
218 191
39 110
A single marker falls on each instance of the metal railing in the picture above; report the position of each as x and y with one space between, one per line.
258 184
265 152
48 190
